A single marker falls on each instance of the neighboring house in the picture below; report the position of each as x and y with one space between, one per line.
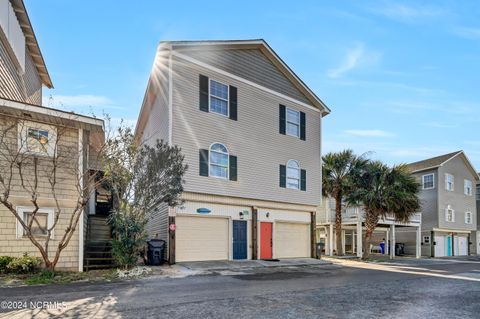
353 230
34 129
250 131
449 212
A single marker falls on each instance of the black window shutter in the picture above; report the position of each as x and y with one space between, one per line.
233 168
283 176
203 162
303 180
302 126
233 102
203 93
282 119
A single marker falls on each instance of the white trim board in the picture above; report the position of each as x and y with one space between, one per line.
51 112
238 78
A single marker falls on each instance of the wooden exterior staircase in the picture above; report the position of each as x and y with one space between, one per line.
98 246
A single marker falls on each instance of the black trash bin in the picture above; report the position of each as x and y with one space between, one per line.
320 247
399 249
155 252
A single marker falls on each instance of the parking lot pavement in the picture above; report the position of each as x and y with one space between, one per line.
349 290
245 264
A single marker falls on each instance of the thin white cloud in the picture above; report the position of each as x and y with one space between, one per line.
369 133
439 125
467 32
76 101
405 13
354 58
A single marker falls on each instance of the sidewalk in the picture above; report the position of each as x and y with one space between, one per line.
244 264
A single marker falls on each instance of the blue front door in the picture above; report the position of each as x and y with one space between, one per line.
449 245
239 239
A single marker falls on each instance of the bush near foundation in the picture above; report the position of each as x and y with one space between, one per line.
4 261
19 265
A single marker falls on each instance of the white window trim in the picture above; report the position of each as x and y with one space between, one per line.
217 97
446 214
21 210
228 162
299 175
286 122
465 181
468 212
446 182
22 129
423 181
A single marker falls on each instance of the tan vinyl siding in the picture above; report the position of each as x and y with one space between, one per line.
155 104
157 123
67 195
16 85
157 225
250 64
254 139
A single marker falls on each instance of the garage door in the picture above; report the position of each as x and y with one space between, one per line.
461 248
292 240
439 246
201 238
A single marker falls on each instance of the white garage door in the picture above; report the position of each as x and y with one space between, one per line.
201 238
461 248
439 246
292 240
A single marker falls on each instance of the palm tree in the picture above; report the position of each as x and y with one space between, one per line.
338 170
383 190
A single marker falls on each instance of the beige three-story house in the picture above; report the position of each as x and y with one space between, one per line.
250 131
33 131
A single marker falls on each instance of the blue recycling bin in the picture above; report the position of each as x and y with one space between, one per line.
382 247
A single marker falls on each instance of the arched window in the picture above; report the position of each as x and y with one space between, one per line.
293 174
219 161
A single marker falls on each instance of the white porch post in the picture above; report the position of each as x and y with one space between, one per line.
343 241
359 239
392 249
387 240
353 242
80 221
330 240
419 239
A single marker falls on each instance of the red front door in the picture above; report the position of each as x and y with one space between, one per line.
265 240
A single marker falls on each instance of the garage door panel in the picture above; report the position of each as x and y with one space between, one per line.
201 238
292 240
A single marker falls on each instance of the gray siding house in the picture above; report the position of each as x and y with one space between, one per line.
250 131
449 212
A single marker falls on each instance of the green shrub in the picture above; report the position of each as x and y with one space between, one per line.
4 261
24 265
129 236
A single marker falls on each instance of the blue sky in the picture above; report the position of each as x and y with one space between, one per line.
401 78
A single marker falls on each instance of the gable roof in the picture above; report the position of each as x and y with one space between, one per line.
438 161
272 56
31 42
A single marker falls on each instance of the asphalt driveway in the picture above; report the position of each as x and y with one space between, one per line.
350 289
